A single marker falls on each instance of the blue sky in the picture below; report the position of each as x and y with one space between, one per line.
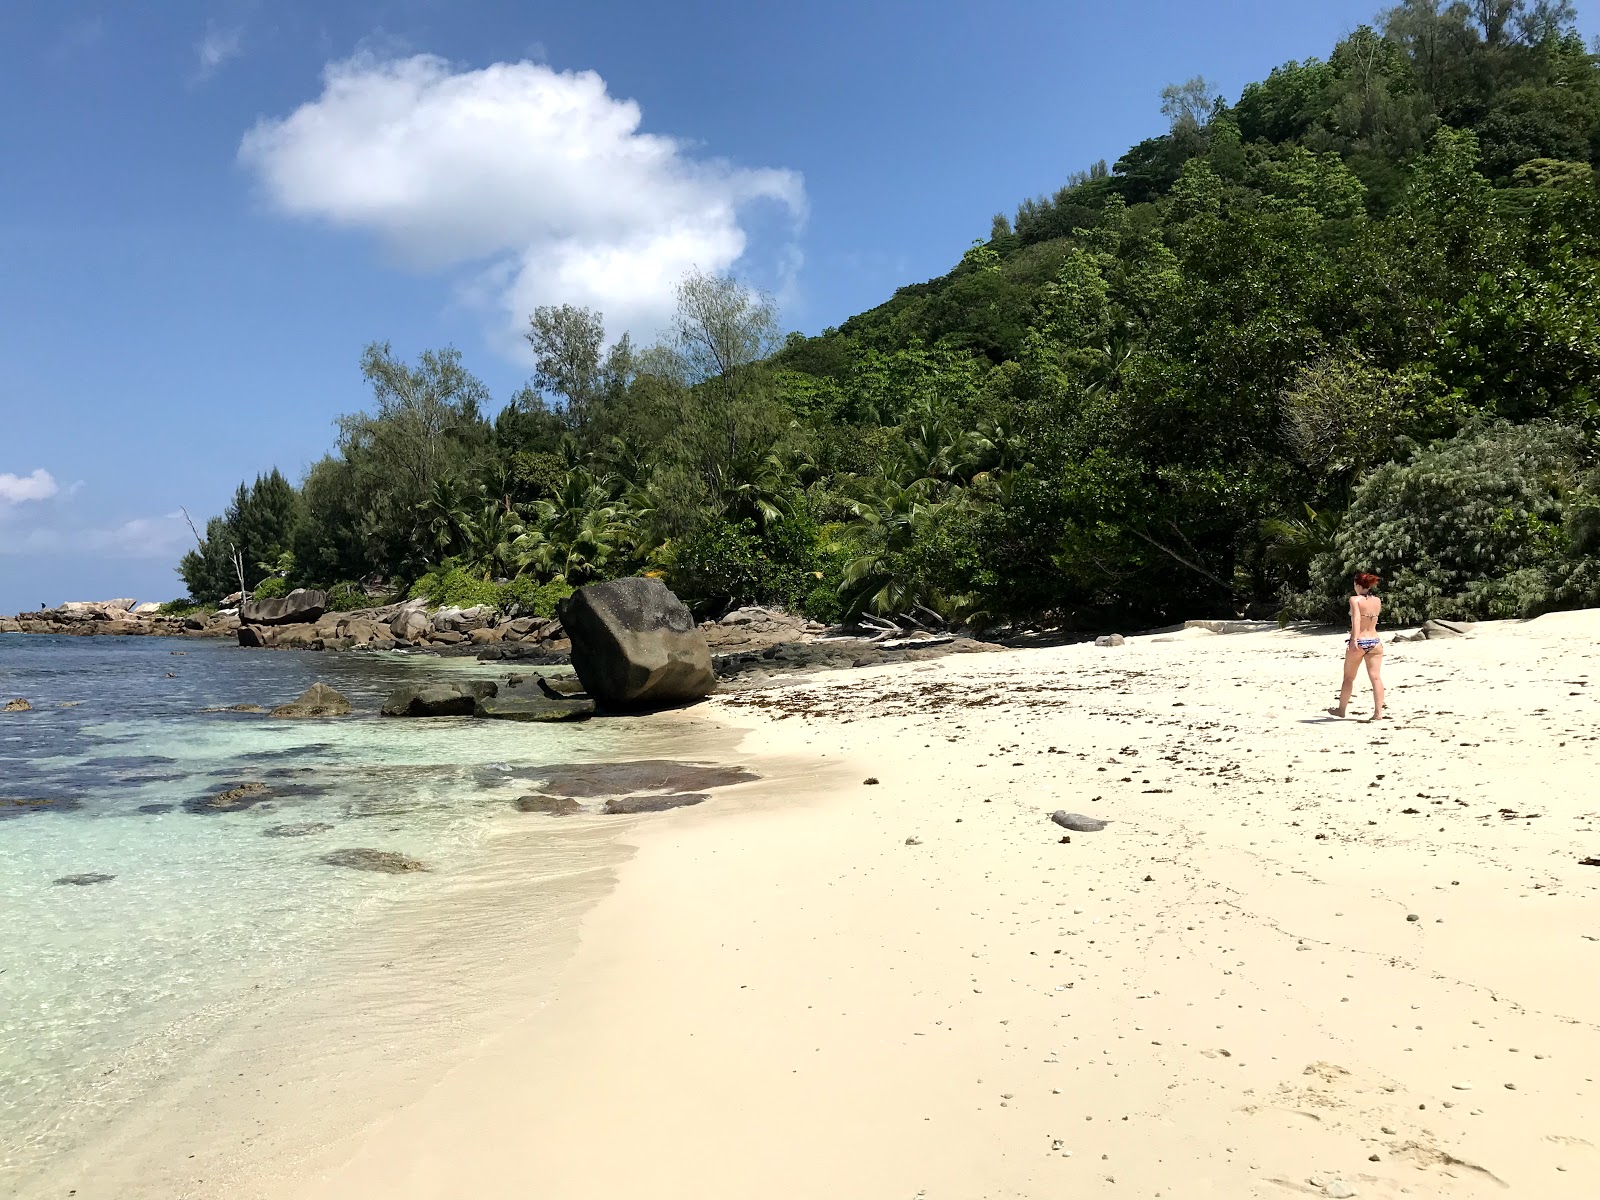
210 208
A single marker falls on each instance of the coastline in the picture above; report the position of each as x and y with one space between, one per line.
812 986
791 1000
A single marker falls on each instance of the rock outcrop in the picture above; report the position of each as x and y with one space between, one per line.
300 607
636 647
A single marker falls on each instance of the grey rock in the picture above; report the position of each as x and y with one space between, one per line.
1077 822
235 799
438 699
555 806
537 707
82 880
302 829
387 862
410 625
1110 640
301 606
1338 1189
318 700
590 780
1434 630
620 805
635 646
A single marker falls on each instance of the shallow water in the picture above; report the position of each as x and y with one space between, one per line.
105 986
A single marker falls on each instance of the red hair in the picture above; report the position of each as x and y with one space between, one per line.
1366 579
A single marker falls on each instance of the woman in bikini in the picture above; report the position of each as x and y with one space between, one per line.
1364 645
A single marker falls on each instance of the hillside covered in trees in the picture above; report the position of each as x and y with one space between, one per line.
1350 320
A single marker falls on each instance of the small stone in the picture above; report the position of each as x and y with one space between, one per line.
82 880
1338 1189
1462 1087
1412 917
1388 1130
870 781
1511 1087
17 705
913 841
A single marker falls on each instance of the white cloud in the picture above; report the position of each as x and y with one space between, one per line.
539 179
17 489
217 47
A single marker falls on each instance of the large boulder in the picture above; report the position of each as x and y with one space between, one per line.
438 699
302 606
410 625
462 620
635 646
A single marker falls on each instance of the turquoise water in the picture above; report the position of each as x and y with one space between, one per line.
105 987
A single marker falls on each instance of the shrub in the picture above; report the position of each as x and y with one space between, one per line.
725 564
1479 526
449 586
271 589
347 597
181 608
523 597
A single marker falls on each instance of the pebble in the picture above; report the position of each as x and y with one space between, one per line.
1339 1190
1462 1087
1412 917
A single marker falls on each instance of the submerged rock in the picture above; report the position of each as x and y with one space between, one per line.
533 708
18 806
620 805
318 700
82 880
645 775
155 810
438 699
635 646
234 799
303 829
234 708
555 806
17 705
388 862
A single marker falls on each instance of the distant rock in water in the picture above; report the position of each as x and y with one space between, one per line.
82 880
235 708
303 829
155 810
387 862
302 606
318 700
620 805
555 806
17 705
635 646
439 699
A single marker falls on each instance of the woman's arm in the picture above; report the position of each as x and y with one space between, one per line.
1355 620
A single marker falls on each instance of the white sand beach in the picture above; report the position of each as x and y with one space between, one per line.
1307 956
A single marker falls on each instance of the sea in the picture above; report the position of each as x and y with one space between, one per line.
222 946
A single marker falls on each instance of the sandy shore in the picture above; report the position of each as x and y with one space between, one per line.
1307 957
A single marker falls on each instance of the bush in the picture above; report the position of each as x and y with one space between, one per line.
181 608
1478 527
449 586
270 589
347 597
726 564
522 597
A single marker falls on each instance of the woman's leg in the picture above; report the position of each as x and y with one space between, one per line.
1352 664
1375 674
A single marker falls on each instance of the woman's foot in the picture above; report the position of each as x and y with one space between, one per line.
1336 712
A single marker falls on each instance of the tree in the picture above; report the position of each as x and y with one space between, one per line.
571 361
1189 106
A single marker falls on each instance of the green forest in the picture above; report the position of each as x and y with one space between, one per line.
1348 321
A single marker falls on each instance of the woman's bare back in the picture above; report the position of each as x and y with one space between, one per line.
1367 609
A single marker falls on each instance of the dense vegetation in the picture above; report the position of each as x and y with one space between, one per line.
1349 321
